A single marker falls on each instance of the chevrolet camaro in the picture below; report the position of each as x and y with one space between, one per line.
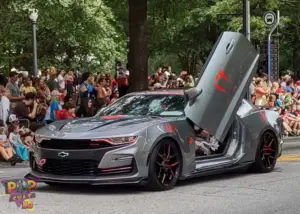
149 138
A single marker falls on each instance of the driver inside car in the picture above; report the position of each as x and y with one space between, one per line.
205 144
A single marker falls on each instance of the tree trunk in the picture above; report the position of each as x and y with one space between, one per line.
138 45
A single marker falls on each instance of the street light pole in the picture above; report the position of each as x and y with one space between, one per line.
33 15
246 18
246 28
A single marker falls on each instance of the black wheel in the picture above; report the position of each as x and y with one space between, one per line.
164 166
266 154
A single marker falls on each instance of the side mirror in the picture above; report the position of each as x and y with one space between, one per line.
191 95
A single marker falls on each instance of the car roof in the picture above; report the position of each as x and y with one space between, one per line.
160 92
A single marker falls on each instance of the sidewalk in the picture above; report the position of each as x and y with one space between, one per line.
4 164
291 139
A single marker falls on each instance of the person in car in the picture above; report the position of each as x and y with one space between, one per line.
205 144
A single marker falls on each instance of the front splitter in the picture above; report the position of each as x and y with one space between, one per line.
90 180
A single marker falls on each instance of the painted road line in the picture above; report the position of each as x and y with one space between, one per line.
289 158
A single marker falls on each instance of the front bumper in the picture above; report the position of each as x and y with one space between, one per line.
116 165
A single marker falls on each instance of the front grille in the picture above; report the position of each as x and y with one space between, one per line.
73 144
69 167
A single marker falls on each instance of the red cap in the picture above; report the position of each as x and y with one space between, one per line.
279 90
298 82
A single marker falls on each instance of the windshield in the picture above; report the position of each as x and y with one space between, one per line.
154 105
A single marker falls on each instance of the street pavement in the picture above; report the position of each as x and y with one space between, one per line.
236 193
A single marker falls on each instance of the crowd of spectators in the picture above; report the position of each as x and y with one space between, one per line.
282 96
163 77
54 95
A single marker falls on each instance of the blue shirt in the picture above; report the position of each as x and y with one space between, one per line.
288 89
50 115
90 91
278 103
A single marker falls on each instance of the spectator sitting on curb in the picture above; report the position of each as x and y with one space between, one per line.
15 139
6 150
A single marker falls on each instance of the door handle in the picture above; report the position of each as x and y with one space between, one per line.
230 46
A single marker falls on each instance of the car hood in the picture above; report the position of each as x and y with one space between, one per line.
98 127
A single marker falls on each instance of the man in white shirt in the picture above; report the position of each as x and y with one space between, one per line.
4 106
61 80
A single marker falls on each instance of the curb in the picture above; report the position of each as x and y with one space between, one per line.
291 139
6 165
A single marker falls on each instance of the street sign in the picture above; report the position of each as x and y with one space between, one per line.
269 18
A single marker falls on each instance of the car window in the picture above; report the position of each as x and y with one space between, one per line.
155 105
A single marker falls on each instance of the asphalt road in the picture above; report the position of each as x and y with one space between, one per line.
276 192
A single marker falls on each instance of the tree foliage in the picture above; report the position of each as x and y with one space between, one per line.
70 34
93 33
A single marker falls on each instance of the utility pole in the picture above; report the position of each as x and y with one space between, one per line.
246 30
33 15
246 18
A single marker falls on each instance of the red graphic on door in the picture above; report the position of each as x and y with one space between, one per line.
223 76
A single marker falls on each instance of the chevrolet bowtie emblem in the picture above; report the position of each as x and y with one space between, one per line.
63 154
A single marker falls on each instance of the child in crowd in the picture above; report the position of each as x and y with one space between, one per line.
67 113
54 106
15 138
6 149
27 137
115 96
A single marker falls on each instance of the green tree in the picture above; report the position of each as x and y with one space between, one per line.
70 34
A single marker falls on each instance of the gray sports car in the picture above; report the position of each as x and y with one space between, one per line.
152 137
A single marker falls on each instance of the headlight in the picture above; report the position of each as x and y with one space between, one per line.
118 140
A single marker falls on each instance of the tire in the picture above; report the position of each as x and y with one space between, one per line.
164 176
266 154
